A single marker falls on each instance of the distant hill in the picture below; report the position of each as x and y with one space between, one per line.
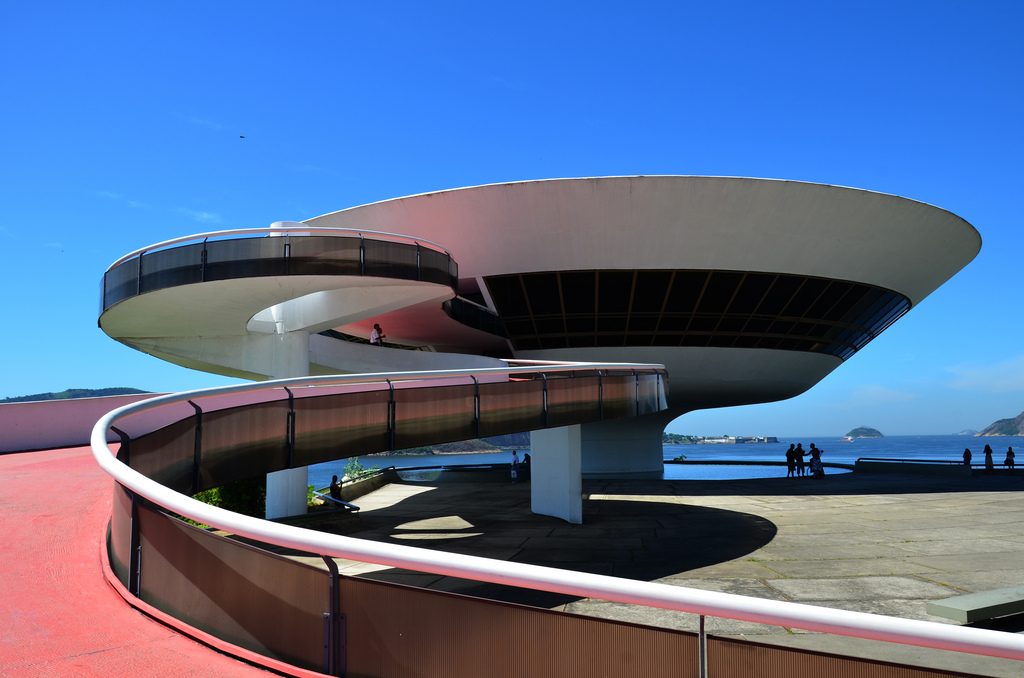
967 432
73 393
865 432
1005 427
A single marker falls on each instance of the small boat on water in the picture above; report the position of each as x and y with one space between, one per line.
847 439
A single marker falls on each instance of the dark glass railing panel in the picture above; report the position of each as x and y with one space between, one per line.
167 455
273 256
649 394
572 401
459 636
509 407
434 267
440 414
341 425
390 259
172 267
474 316
324 255
246 258
263 602
120 534
121 283
242 442
618 396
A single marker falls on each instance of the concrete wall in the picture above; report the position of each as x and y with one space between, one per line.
49 424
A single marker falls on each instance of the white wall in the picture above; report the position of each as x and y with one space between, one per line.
49 424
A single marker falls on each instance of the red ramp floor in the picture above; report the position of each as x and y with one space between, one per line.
58 615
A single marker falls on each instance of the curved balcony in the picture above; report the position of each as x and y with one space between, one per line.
259 252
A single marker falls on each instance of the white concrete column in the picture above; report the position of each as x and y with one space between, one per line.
286 490
629 447
556 483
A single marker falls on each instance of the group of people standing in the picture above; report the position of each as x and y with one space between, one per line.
520 469
797 467
1008 461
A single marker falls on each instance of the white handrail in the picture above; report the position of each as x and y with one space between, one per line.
278 230
663 596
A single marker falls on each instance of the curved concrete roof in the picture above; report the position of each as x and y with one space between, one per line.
666 222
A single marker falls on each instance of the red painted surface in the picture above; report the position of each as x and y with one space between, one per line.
58 615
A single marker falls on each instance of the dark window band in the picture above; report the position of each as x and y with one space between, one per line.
729 309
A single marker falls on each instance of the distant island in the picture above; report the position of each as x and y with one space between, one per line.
967 432
864 432
509 441
71 393
1004 427
683 439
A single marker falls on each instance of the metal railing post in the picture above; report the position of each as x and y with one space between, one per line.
124 453
134 549
545 405
476 406
203 258
636 394
335 652
391 415
600 394
138 278
419 263
289 433
702 650
197 449
362 255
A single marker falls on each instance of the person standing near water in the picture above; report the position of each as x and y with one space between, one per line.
967 457
989 464
799 453
790 461
1009 459
515 466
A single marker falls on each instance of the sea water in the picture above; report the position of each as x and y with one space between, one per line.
947 447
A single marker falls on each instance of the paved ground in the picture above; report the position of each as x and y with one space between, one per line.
877 543
58 616
882 543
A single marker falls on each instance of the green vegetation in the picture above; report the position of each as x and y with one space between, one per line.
71 393
353 469
865 432
248 497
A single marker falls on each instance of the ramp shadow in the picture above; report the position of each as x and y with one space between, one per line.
640 538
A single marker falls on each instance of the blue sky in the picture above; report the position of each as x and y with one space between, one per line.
121 127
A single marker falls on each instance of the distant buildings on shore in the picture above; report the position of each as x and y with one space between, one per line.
681 439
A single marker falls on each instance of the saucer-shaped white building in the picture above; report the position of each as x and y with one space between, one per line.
747 290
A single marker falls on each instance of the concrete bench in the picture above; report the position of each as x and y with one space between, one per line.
974 607
328 499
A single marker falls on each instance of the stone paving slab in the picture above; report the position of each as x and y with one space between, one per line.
855 567
859 588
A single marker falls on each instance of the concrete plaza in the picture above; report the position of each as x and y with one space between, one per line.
875 543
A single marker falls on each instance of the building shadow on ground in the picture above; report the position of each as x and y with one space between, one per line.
841 484
636 538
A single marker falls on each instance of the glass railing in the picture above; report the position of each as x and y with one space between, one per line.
477 317
175 446
249 253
